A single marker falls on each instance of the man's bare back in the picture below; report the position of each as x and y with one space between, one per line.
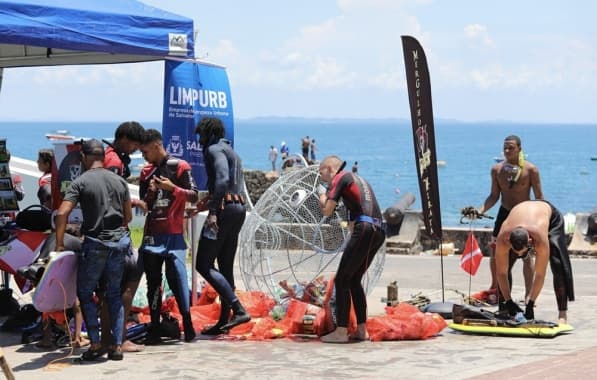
533 216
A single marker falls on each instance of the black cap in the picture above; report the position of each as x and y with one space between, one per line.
92 147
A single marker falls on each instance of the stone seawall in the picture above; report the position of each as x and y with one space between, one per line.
258 182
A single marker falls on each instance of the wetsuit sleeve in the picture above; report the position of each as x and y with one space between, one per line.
186 185
221 174
113 163
339 182
144 193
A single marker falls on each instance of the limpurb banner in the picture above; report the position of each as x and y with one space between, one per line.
419 97
193 90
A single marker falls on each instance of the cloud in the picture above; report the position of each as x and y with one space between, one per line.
333 53
539 63
327 73
477 32
92 75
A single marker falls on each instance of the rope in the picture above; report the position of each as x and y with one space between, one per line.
54 365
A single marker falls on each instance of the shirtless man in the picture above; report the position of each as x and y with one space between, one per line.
512 180
535 227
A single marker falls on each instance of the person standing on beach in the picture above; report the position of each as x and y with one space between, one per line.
313 148
512 181
366 238
44 165
127 138
535 228
227 212
273 156
305 143
284 150
165 185
106 207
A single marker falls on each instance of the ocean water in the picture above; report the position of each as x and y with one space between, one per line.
385 153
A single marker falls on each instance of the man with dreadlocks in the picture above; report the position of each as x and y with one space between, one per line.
366 238
219 236
535 227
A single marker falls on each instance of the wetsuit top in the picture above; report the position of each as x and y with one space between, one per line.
166 209
117 162
224 173
356 193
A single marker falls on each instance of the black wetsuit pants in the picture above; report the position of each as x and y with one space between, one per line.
223 249
358 255
559 260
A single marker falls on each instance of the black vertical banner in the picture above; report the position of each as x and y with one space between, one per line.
421 112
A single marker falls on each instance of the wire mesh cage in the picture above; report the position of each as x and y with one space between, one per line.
286 240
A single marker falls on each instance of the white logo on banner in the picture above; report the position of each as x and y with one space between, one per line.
177 43
175 147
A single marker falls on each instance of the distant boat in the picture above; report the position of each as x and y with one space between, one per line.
60 134
594 158
441 163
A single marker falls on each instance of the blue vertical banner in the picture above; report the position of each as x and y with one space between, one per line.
192 91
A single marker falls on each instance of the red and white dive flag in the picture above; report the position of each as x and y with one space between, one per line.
471 255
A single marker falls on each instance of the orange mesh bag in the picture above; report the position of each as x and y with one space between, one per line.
266 328
243 329
324 319
208 295
405 321
257 303
293 320
385 328
203 315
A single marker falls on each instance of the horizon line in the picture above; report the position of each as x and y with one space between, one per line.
323 118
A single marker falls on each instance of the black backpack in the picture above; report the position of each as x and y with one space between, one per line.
35 218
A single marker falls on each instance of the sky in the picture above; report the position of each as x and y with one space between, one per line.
509 60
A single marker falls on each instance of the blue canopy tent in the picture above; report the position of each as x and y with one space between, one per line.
62 32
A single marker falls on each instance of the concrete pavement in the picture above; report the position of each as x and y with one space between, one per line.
450 355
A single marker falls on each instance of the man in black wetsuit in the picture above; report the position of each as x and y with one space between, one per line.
535 226
219 237
367 236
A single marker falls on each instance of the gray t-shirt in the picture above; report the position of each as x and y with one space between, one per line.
101 194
